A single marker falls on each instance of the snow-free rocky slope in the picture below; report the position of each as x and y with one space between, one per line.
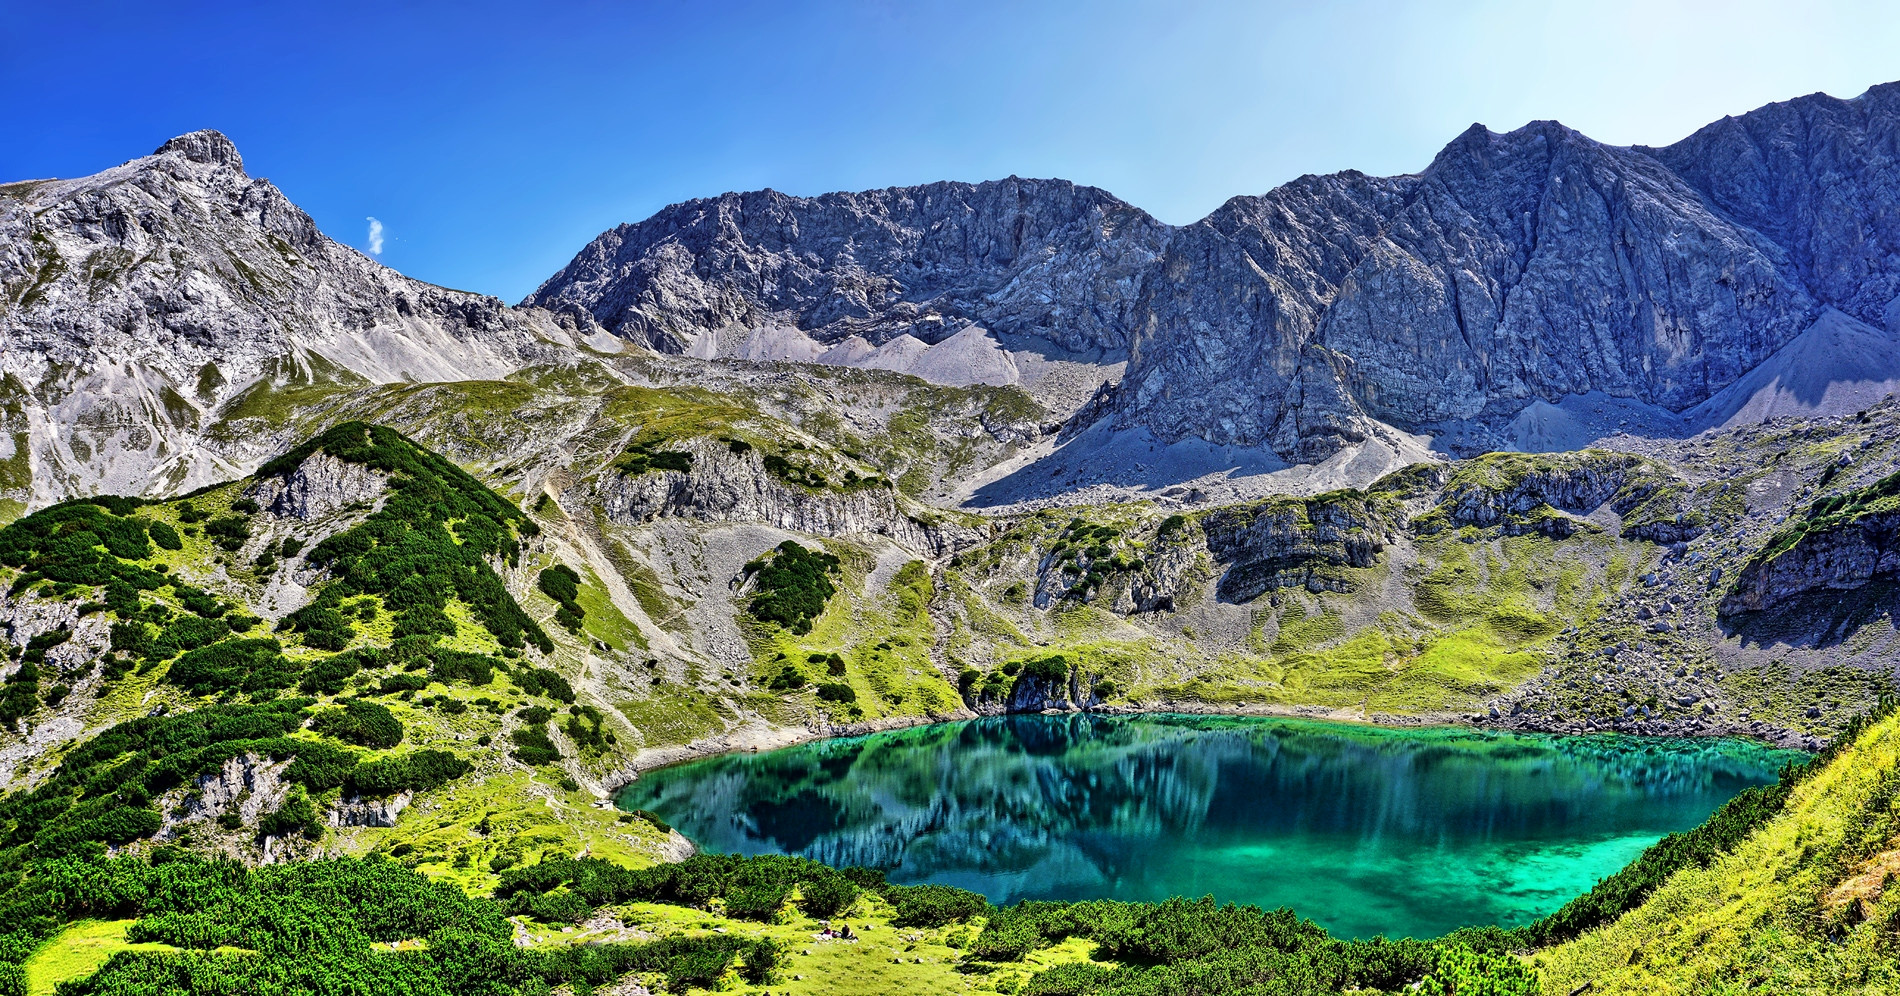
138 303
1517 268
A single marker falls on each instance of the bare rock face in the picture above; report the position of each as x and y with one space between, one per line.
1295 543
1837 558
1516 269
319 487
143 300
1044 258
1037 692
248 785
358 812
727 487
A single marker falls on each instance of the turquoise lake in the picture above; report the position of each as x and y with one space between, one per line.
1366 830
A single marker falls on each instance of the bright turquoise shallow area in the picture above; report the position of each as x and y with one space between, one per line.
1366 830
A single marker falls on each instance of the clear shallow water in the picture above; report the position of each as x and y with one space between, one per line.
1366 830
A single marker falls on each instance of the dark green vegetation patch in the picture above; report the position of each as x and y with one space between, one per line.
363 723
429 542
640 458
563 584
792 586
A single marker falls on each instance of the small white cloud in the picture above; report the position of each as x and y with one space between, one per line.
375 237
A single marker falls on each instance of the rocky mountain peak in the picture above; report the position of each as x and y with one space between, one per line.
204 146
139 305
1519 268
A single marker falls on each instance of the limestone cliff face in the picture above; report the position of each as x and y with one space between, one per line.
1817 176
1517 267
1045 258
136 302
318 488
1294 543
724 486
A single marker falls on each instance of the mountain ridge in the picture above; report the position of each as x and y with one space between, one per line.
1318 275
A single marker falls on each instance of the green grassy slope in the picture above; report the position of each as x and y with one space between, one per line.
1806 904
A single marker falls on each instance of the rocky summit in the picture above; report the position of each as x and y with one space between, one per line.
1536 266
301 557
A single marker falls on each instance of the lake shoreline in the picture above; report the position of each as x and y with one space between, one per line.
1485 825
757 737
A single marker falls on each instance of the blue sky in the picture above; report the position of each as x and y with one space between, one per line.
493 140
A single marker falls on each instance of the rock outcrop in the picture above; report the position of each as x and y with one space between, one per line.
367 812
1044 258
1523 493
318 488
1298 543
724 486
1841 543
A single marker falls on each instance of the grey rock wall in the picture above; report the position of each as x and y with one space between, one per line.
1516 267
1840 558
727 487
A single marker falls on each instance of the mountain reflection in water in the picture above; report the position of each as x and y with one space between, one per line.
1365 829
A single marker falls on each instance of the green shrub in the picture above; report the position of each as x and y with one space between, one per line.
760 902
165 536
827 896
533 746
933 905
296 815
402 683
563 584
542 681
418 771
229 532
187 633
1052 668
837 691
360 722
792 587
240 665
640 458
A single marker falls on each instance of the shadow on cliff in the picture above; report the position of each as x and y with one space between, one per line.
1128 458
1817 620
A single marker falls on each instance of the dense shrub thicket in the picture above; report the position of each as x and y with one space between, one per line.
567 890
792 587
360 722
563 584
418 771
542 681
429 542
309 928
